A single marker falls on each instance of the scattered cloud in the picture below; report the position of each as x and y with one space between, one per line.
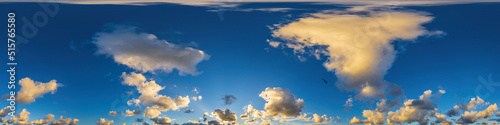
133 112
161 120
112 113
281 102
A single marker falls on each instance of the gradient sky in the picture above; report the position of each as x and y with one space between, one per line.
241 62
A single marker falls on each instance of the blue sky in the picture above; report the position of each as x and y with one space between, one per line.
242 63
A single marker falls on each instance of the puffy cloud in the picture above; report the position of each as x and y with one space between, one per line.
30 90
474 116
281 102
453 112
355 120
161 120
473 103
229 99
440 118
145 52
133 112
225 115
358 47
113 113
348 104
149 95
318 119
415 110
4 111
103 121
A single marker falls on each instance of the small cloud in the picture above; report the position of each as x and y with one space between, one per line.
229 99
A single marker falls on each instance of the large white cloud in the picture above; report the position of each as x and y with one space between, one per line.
30 90
281 102
149 95
359 47
145 52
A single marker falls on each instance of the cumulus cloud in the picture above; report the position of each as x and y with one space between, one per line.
225 115
145 52
4 111
112 113
103 121
161 120
149 95
453 112
30 90
473 103
133 112
229 99
415 110
281 102
359 47
319 119
474 116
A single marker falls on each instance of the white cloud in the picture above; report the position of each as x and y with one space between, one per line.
145 52
30 90
359 48
319 119
281 102
103 121
43 121
473 103
149 95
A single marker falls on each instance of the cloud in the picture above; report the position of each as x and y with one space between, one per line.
473 103
161 120
133 112
21 118
149 95
189 111
319 119
225 115
47 119
348 104
229 99
453 112
30 90
112 113
4 111
103 121
281 102
474 116
67 121
359 47
415 110
145 52
194 98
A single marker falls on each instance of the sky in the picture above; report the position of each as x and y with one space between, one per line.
274 62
